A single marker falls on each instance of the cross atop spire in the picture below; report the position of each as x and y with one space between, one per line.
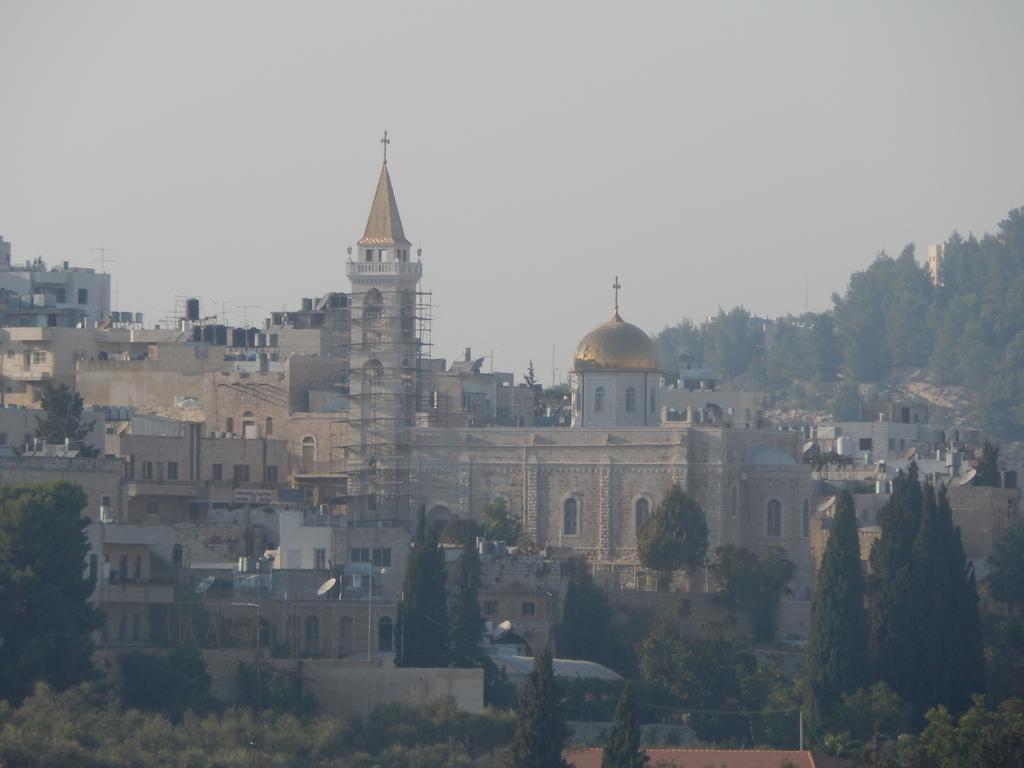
385 141
615 287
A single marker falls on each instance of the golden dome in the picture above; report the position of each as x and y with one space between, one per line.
616 346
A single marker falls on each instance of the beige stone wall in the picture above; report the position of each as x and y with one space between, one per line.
983 515
98 478
457 472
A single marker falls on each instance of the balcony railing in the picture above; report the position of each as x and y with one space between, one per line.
413 268
134 592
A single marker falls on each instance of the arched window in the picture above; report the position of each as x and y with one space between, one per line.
643 511
806 520
229 425
373 304
373 370
177 555
570 517
773 519
308 453
384 634
248 424
269 429
630 400
312 635
598 399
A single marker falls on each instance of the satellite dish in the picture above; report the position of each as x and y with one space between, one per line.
326 587
909 454
204 586
969 475
503 629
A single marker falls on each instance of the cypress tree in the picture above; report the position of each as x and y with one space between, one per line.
949 666
623 747
837 653
586 630
893 609
925 629
467 623
541 730
422 626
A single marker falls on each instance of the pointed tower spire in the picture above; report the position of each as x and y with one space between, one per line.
384 226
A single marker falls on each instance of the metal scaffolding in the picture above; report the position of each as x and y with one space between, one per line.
387 385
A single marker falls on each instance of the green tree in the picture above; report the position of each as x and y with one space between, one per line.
988 467
61 418
46 621
422 626
500 523
467 623
730 344
925 628
872 713
755 583
675 536
622 750
541 730
586 630
1006 568
167 683
949 666
892 608
846 401
714 671
838 661
982 737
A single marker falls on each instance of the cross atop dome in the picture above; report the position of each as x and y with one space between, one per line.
615 287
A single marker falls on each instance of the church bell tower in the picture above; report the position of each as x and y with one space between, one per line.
383 359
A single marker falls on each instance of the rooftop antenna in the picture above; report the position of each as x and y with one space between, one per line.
103 259
245 312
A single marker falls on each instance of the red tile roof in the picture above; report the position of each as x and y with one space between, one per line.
704 758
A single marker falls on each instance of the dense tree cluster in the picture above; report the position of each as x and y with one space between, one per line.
80 728
917 645
969 330
46 623
925 626
755 583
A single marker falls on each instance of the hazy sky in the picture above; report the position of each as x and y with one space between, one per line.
709 153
